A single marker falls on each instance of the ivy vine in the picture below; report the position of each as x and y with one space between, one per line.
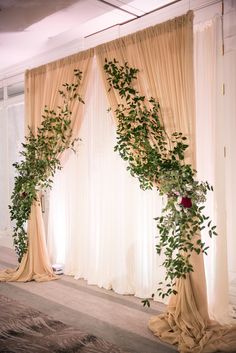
157 160
40 160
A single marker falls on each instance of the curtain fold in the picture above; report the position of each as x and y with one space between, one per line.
42 85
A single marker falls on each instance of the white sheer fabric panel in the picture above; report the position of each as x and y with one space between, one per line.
210 159
230 167
100 223
12 135
15 137
4 218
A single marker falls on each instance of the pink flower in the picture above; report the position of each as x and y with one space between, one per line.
186 202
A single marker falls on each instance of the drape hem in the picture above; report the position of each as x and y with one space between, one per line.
35 265
17 274
182 325
211 338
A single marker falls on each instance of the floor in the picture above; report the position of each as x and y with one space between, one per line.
119 319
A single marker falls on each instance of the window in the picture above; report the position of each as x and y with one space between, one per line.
11 136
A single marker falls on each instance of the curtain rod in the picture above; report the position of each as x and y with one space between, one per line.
152 11
103 30
133 19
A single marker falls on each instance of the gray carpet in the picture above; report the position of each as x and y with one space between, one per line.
119 319
24 329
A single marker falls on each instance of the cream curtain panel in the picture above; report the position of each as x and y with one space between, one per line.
210 135
164 55
42 85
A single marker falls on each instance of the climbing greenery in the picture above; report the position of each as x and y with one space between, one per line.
40 160
157 160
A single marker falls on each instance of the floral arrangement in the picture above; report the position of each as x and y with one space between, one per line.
157 160
40 160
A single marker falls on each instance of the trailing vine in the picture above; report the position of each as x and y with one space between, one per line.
157 160
40 160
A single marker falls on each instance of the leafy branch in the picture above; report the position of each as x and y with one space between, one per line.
157 160
40 160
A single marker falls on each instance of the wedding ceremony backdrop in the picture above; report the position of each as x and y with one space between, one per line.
99 223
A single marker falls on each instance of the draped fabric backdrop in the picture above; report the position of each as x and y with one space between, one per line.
186 322
99 222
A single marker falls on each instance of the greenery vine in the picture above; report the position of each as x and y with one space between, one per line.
40 160
157 160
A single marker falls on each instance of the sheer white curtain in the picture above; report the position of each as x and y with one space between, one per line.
230 166
11 136
100 223
211 162
15 134
4 218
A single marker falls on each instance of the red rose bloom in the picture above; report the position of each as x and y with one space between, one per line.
186 202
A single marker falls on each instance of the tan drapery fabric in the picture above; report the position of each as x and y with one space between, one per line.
164 56
42 85
35 264
184 325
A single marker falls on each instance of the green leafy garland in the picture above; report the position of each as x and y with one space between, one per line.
157 160
41 160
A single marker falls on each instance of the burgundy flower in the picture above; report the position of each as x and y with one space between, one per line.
24 194
186 202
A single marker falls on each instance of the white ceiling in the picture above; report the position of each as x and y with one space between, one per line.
29 28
